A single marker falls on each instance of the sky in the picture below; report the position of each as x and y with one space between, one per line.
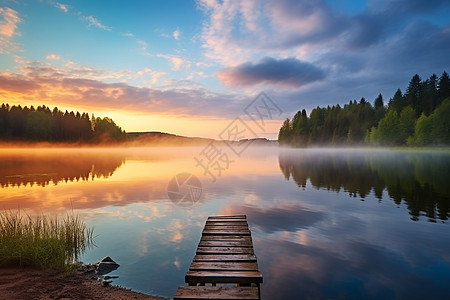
194 67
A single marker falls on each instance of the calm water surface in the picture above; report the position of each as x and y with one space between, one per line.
326 224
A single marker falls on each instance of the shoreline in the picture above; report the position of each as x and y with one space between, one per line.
29 283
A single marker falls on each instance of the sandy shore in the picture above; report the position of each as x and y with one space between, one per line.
17 283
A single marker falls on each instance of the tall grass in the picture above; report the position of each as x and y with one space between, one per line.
42 241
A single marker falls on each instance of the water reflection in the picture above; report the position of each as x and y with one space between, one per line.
42 167
419 179
313 238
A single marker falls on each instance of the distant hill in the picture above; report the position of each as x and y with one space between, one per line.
165 139
155 137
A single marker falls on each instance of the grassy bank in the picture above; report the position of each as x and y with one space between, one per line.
42 241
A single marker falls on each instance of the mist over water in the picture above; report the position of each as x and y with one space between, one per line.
337 224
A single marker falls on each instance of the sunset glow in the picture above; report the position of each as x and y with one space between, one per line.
192 67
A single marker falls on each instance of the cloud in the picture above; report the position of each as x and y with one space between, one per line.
154 75
63 7
16 83
8 28
10 20
289 72
53 56
373 50
177 62
142 44
176 34
81 86
92 21
238 32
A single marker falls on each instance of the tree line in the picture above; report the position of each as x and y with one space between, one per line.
420 116
41 124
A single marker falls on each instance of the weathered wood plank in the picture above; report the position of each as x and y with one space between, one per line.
226 232
216 292
228 217
226 238
221 223
225 257
224 250
247 244
225 220
225 266
231 227
239 277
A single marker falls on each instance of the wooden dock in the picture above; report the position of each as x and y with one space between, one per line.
225 265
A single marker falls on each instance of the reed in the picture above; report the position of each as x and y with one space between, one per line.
42 241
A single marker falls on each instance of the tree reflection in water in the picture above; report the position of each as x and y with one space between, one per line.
419 179
42 167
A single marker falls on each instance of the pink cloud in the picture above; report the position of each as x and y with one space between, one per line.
11 19
53 56
80 86
8 28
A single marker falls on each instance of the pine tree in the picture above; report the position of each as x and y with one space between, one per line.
443 88
414 94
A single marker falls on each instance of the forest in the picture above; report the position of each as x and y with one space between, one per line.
419 117
19 123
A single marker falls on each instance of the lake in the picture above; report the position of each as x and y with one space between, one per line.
326 224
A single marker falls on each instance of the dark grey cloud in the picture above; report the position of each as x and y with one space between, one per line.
348 55
288 72
379 21
420 47
407 7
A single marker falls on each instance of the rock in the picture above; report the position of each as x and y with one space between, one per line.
107 259
106 282
106 265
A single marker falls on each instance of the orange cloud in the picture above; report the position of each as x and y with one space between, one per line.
177 62
180 107
8 28
53 56
9 25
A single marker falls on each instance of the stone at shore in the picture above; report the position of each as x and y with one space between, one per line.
100 268
106 266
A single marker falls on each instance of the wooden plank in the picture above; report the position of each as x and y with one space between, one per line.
226 232
224 250
225 220
225 257
225 244
226 238
228 217
216 292
239 277
208 223
225 266
231 227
